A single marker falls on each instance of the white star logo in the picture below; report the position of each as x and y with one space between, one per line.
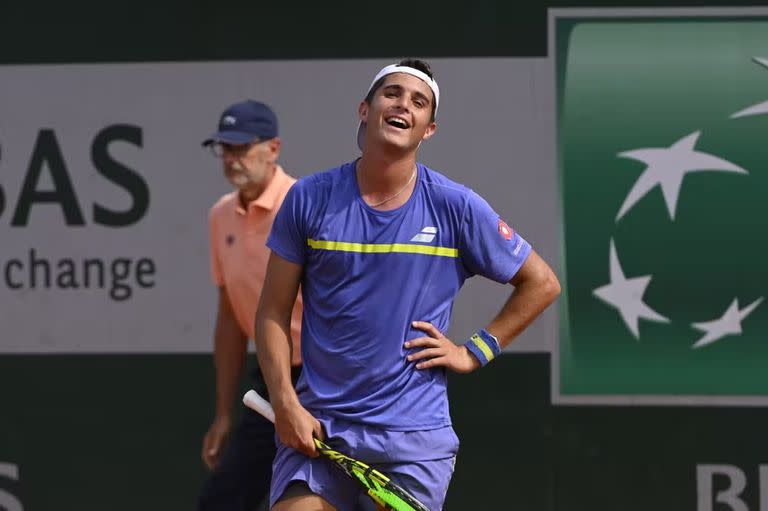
760 108
728 324
626 295
667 166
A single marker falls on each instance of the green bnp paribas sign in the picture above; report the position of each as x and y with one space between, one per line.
663 161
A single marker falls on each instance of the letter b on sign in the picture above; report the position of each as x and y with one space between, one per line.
731 494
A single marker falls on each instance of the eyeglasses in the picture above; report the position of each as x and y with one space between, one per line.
219 149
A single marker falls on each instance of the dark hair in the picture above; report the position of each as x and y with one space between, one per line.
419 65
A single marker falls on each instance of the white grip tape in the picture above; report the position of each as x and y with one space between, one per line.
255 402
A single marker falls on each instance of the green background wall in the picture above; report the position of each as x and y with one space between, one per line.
123 433
143 30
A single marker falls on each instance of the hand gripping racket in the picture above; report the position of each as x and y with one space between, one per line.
378 486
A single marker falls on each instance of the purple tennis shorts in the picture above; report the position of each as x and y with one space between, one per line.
422 462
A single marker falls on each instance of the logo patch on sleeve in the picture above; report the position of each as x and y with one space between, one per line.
505 230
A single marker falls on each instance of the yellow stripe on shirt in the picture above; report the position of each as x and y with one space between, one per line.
382 248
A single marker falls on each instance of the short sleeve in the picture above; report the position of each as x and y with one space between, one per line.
489 246
288 237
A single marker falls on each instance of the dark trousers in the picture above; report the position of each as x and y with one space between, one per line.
241 480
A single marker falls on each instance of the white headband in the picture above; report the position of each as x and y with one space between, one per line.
397 68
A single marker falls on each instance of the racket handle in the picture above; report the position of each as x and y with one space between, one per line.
254 401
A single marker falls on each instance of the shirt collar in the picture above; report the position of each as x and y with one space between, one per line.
270 197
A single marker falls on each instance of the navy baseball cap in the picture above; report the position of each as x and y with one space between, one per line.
245 122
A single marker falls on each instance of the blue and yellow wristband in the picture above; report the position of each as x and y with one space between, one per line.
483 346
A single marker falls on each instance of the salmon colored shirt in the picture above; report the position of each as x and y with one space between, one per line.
239 253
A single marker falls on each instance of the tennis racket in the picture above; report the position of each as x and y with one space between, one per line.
377 485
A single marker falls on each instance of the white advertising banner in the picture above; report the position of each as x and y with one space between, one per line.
105 189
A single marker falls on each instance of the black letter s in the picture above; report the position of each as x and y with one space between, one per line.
119 174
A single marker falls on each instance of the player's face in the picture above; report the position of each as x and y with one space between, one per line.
400 112
249 165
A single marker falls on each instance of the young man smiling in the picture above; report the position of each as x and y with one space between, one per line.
381 246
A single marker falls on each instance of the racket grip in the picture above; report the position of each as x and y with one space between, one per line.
254 401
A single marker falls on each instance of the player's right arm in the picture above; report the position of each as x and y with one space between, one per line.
293 423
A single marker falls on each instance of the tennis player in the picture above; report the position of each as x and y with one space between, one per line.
381 246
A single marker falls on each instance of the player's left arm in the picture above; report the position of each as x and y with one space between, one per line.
535 287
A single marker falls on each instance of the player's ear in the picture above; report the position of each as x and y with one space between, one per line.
431 129
362 111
